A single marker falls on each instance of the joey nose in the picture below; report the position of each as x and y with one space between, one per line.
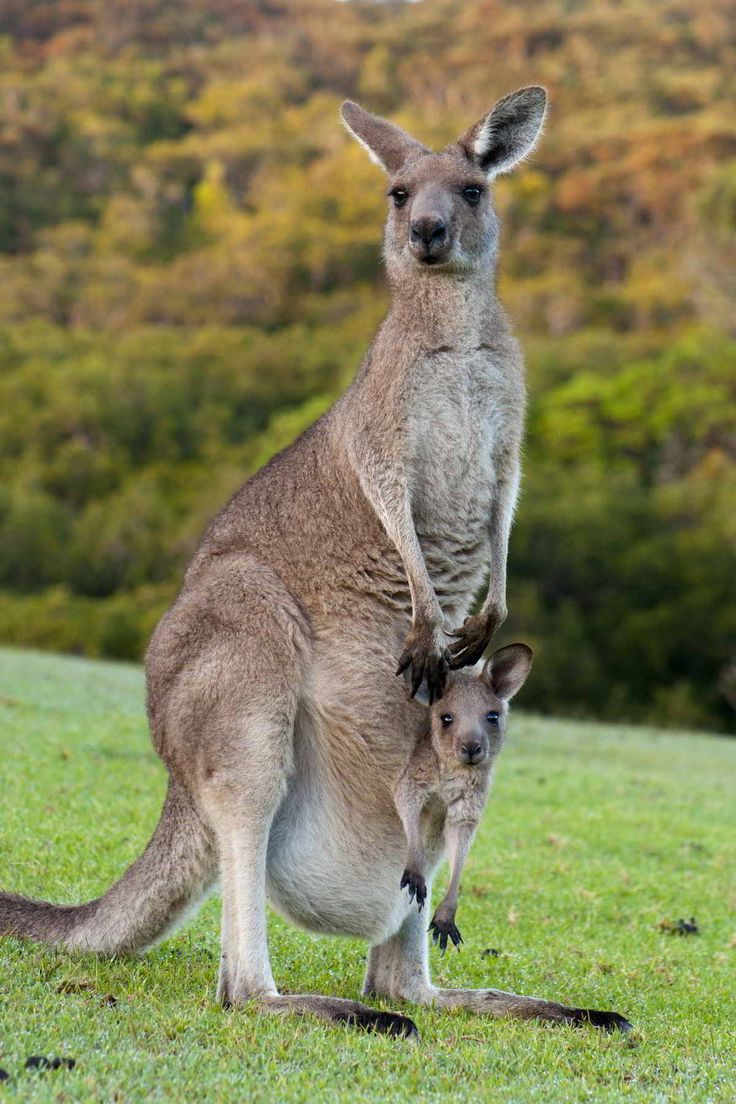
472 752
428 230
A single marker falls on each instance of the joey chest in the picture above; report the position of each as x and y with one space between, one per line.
463 792
458 799
465 417
450 790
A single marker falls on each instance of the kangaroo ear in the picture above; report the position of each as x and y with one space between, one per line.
506 670
508 133
388 145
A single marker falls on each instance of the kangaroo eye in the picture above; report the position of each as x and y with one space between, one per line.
447 719
492 718
399 196
472 195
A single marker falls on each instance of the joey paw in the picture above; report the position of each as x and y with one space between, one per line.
442 930
416 885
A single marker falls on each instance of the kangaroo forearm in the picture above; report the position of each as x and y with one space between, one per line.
471 640
383 481
425 605
501 520
378 452
399 525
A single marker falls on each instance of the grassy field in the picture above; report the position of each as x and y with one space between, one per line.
594 837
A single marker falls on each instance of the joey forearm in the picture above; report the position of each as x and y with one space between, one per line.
409 800
458 837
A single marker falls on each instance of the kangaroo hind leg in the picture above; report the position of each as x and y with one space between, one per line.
258 677
399 969
240 804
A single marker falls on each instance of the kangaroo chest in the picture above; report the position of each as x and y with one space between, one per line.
466 412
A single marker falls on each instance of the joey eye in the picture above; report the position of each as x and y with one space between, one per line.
472 195
492 718
446 719
399 196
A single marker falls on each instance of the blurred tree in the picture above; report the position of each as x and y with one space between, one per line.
190 270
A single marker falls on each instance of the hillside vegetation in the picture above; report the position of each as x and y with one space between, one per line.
596 839
190 271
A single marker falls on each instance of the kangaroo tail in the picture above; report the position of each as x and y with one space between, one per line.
153 896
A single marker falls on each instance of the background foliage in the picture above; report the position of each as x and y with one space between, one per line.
190 270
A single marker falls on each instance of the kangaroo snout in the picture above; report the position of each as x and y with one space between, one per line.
428 238
428 230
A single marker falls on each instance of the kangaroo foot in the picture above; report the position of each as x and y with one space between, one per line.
337 1010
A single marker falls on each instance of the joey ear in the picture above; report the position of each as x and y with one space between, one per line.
386 144
507 669
508 132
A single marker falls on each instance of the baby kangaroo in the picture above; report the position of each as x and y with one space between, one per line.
449 774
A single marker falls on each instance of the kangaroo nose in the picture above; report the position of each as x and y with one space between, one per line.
429 230
472 752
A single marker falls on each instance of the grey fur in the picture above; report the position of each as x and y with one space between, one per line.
271 690
442 792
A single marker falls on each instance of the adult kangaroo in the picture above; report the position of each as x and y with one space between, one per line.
272 691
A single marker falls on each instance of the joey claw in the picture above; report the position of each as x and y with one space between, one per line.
442 930
455 936
416 885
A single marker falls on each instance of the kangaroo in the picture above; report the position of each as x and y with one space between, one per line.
271 687
444 788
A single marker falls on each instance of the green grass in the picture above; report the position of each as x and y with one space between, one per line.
594 835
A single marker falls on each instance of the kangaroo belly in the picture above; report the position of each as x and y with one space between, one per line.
327 881
337 848
326 876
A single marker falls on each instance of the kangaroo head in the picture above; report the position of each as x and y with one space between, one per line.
469 721
441 216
